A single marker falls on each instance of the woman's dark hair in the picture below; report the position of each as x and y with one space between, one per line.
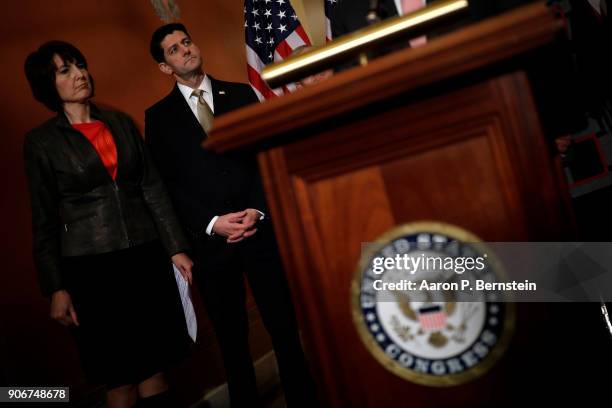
40 71
157 52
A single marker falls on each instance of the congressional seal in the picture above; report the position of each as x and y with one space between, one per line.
442 337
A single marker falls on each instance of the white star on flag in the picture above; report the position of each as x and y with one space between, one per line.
281 34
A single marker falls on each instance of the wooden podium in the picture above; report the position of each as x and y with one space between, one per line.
448 132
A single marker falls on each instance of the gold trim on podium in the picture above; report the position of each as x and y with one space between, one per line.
351 45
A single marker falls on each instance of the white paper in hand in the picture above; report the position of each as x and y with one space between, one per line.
190 317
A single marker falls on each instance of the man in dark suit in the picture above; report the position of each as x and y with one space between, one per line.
221 204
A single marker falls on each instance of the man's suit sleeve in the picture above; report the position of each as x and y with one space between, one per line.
193 214
257 198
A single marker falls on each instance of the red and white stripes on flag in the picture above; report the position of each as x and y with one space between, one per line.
272 31
432 318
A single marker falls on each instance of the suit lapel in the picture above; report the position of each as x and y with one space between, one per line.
219 96
181 113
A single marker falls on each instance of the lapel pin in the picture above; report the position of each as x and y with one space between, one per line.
221 92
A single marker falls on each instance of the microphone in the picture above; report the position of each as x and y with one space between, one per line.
373 17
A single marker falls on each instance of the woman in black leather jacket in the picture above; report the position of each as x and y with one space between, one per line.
104 232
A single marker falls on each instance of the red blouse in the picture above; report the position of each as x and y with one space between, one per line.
102 140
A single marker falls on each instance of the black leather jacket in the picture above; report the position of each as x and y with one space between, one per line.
77 208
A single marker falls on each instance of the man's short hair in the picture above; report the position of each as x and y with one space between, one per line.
40 71
157 52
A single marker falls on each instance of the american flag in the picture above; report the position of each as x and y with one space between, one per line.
432 318
329 8
272 31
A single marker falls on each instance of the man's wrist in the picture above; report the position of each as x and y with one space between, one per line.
211 224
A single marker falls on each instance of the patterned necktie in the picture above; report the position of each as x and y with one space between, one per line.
205 114
408 6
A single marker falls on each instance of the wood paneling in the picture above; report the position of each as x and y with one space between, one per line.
452 158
